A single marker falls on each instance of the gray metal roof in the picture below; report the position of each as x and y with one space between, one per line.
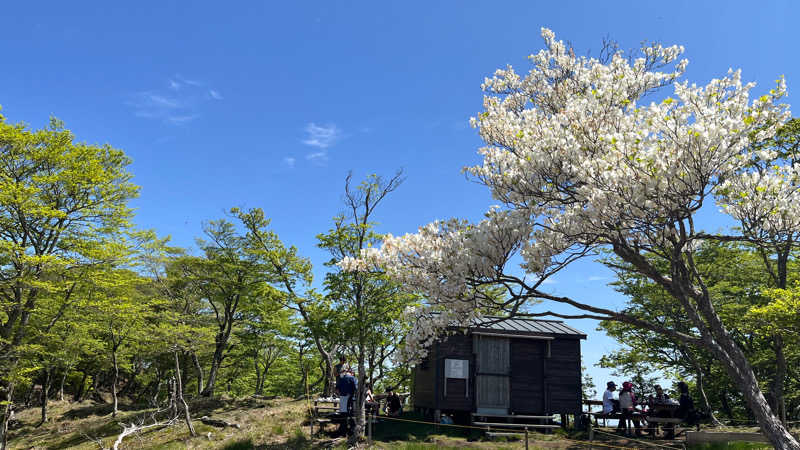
524 326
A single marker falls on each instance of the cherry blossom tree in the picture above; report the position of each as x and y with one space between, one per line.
581 156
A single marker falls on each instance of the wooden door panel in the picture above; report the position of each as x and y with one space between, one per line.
492 380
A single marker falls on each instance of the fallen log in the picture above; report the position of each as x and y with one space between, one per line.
219 423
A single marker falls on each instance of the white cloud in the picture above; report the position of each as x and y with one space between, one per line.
550 281
318 157
596 278
181 102
289 161
321 136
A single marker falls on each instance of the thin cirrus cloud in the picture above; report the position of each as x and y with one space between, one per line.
596 278
181 101
320 137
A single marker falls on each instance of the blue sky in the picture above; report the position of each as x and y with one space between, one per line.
269 105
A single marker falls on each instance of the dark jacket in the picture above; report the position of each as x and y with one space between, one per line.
346 385
393 402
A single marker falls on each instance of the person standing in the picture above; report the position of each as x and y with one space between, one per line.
339 369
610 405
627 404
346 387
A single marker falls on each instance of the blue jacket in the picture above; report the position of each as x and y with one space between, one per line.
346 385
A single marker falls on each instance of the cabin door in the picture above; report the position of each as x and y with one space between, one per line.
492 375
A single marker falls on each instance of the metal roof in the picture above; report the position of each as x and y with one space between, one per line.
524 326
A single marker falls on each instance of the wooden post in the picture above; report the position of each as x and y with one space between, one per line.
311 419
370 417
526 438
591 432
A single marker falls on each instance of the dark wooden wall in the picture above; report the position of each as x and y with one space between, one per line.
563 376
527 381
456 346
538 384
425 381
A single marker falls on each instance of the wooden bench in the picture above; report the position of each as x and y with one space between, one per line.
513 416
494 434
674 420
516 425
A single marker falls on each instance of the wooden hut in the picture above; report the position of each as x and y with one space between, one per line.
502 367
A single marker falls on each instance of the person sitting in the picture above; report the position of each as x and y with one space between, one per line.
394 406
370 405
686 409
627 406
610 404
655 406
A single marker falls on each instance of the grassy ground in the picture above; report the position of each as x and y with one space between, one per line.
265 425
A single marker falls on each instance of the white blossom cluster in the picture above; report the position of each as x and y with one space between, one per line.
577 157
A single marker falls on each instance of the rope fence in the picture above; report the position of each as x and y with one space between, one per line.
591 443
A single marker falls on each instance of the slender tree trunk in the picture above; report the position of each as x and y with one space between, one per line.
114 383
61 384
259 379
173 402
81 388
359 403
221 341
29 397
7 411
777 387
726 406
701 388
198 372
95 387
179 389
45 389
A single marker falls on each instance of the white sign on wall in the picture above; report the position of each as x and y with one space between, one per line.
456 368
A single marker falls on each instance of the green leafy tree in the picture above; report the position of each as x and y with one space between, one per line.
62 206
371 303
228 276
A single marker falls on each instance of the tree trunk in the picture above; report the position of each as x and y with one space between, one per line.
701 388
726 406
181 401
777 387
701 313
114 383
259 379
45 389
61 384
359 403
219 350
740 371
7 411
199 372
173 403
81 388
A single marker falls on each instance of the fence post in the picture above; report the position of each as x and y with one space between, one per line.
369 427
311 423
591 432
526 438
